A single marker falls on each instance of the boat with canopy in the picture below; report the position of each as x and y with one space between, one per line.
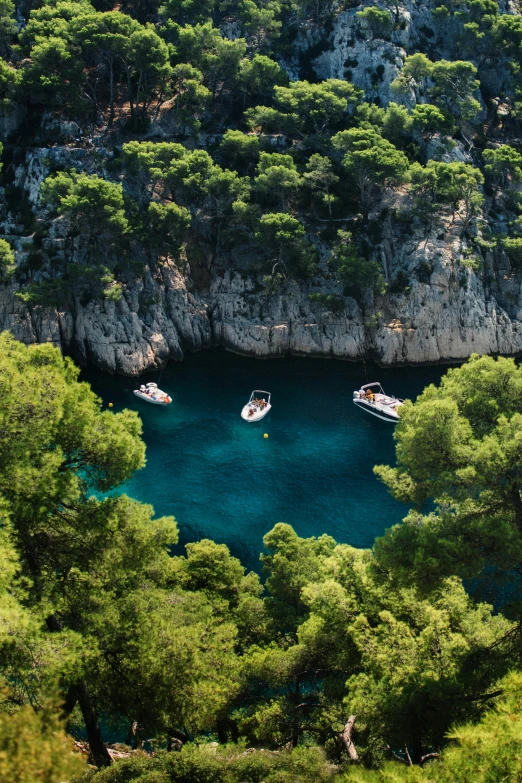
257 407
150 393
372 399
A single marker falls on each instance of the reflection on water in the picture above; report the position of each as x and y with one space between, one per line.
222 480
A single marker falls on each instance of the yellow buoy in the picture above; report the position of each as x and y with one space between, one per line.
110 405
265 436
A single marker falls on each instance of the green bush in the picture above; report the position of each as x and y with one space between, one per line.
357 273
212 763
328 301
513 248
7 260
400 284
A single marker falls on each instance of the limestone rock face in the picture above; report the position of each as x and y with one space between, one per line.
441 305
161 316
445 311
370 64
372 60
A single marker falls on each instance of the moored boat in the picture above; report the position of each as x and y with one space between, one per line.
257 407
373 400
150 393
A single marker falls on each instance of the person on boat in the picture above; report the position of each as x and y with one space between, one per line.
251 412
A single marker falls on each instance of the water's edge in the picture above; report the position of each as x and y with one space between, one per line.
222 480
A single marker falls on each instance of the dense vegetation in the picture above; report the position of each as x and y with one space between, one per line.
200 135
342 656
282 178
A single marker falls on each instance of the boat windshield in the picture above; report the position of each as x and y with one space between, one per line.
258 396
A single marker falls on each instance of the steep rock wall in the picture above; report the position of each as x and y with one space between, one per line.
372 63
161 317
444 314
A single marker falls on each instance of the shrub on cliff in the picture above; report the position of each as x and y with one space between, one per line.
357 273
284 241
304 109
7 260
93 205
371 161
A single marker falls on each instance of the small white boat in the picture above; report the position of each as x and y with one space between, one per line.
257 407
151 393
372 399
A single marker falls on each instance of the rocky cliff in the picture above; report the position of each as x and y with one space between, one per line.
451 304
448 311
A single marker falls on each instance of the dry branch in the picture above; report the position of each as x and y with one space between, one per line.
346 738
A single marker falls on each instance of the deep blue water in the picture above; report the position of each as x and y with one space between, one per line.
222 480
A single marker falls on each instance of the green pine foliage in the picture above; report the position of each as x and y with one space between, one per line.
245 681
229 102
457 446
194 142
488 750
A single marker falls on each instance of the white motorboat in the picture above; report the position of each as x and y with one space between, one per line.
372 399
150 393
257 407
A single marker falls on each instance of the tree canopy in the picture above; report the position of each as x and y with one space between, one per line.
457 446
369 655
299 145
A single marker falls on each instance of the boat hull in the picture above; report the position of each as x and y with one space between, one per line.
257 415
147 398
377 412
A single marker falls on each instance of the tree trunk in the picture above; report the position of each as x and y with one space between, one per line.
517 504
100 754
70 701
138 89
111 88
428 756
176 739
346 738
129 89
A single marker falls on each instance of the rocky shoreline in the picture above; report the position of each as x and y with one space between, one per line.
449 309
162 317
456 300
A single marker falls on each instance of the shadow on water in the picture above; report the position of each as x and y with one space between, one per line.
222 480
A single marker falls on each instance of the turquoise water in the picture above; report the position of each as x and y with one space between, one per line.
222 480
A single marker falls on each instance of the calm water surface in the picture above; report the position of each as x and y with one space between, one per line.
222 480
